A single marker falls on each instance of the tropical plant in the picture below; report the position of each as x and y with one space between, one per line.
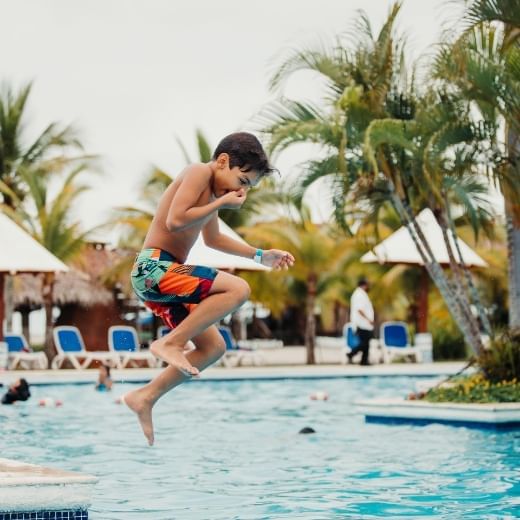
396 146
49 152
49 220
320 264
483 65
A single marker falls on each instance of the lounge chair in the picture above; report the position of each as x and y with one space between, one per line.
69 344
395 342
20 353
124 342
162 331
236 352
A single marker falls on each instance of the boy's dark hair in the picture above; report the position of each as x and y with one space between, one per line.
246 152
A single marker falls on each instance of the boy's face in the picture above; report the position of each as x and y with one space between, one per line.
231 179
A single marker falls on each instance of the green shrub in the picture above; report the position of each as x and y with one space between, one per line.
448 343
501 360
475 389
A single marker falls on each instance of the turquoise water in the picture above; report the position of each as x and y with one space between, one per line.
231 450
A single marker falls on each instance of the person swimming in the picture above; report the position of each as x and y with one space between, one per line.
104 383
18 391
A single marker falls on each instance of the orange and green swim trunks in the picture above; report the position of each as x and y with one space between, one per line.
167 287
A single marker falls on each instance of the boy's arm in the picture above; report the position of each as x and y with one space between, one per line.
217 240
183 212
214 238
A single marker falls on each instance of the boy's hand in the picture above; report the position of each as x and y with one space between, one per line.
233 199
277 259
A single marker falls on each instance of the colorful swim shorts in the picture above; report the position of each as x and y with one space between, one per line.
167 287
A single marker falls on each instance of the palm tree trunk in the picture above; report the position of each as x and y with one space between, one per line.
459 290
310 322
432 266
469 280
512 210
47 290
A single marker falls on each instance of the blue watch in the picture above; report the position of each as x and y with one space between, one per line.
258 256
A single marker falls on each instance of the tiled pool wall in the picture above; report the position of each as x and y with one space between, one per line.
45 515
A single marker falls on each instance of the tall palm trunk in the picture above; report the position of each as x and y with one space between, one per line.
458 286
435 271
310 322
512 210
469 280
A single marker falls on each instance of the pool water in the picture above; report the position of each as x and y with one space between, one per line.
229 450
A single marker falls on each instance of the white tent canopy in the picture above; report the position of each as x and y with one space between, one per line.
201 254
399 247
19 252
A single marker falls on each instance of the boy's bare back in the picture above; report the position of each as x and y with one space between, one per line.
193 187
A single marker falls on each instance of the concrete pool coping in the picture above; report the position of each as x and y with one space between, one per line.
142 375
495 415
28 487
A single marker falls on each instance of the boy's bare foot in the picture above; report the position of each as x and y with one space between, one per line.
173 356
143 409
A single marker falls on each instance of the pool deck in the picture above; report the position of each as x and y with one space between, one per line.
29 488
142 375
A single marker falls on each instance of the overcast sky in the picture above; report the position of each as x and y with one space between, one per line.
132 74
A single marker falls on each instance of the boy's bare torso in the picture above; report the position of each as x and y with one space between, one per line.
178 243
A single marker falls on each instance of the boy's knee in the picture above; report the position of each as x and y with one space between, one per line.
220 349
243 292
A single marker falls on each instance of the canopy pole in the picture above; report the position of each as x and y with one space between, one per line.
422 301
2 305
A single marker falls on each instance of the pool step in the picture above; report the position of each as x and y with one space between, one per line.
40 492
486 415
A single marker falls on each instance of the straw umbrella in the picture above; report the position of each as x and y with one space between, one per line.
20 253
399 248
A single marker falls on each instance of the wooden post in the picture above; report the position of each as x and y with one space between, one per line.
422 301
2 305
48 284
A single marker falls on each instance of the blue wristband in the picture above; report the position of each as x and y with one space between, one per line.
258 256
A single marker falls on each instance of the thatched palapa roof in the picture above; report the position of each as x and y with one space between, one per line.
81 285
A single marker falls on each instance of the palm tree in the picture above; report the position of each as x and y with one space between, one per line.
25 170
427 162
320 266
361 83
383 144
50 151
49 221
484 66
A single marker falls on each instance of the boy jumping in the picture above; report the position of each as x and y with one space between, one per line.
191 299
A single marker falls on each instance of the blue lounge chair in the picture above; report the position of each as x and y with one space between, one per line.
395 342
124 342
162 331
70 346
236 352
19 353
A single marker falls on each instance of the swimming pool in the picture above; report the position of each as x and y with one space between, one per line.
232 450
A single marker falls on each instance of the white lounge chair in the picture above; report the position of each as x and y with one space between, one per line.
395 341
19 353
124 342
70 346
236 352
